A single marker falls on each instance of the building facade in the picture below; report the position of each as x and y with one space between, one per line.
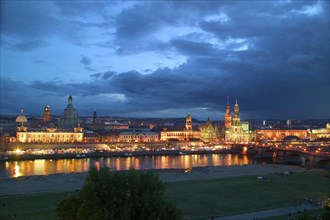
320 133
279 134
237 131
49 135
209 132
187 133
135 136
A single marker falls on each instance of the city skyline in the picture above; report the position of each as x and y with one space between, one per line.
165 59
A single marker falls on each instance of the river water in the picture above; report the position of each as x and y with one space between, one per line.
10 169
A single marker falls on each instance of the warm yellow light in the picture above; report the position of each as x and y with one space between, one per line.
18 151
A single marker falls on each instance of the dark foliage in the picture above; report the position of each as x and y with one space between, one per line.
119 195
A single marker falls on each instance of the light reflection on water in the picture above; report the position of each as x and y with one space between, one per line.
47 166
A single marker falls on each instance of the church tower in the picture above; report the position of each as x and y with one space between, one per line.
228 115
94 117
236 119
69 118
46 114
188 122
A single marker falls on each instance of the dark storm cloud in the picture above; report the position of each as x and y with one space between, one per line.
89 69
85 60
29 25
108 75
16 20
272 56
29 45
191 48
104 76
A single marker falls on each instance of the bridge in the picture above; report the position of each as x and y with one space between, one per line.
290 154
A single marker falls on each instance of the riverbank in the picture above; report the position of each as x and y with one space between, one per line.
74 181
99 154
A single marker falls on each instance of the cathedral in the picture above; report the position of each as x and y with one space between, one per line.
209 132
69 119
237 131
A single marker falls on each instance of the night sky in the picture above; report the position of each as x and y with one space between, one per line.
166 58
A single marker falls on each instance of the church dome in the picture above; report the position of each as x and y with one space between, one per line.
21 118
69 118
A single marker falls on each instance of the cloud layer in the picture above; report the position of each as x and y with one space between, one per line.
165 59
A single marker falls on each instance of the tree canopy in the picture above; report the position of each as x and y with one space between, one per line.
119 195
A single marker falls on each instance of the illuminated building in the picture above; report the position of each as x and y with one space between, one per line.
228 115
138 136
21 119
320 133
237 131
185 134
69 118
188 123
279 134
208 131
46 114
50 135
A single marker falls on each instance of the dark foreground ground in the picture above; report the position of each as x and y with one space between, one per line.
200 193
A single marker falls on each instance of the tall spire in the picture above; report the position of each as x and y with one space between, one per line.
228 115
236 119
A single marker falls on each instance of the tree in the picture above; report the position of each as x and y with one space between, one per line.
326 209
119 195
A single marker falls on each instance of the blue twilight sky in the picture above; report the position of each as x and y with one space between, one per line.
166 58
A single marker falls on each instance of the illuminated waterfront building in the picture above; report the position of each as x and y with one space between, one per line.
279 134
69 118
187 133
209 132
47 114
49 135
320 133
21 119
237 131
138 136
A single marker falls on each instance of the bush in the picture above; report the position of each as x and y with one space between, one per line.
119 195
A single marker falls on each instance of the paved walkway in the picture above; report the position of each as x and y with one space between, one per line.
271 212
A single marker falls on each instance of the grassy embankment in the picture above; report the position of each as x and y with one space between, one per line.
198 199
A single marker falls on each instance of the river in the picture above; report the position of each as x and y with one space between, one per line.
10 169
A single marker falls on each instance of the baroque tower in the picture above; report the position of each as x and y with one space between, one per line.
228 115
188 122
46 114
69 119
236 119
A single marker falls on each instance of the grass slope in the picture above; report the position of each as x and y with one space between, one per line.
198 199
